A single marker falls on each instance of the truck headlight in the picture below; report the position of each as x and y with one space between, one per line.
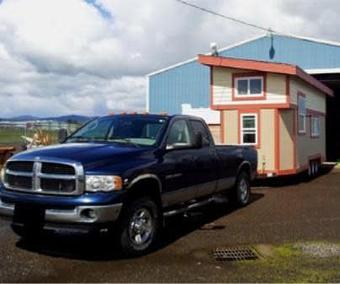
103 183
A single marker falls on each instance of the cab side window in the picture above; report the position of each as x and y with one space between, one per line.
198 127
179 135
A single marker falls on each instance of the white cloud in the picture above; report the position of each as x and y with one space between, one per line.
53 94
71 56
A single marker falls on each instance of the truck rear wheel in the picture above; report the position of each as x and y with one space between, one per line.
139 226
241 193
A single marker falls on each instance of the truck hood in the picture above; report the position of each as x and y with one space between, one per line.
91 155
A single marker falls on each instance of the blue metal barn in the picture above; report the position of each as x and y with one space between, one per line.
188 82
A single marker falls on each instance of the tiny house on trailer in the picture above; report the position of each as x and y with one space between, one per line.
277 108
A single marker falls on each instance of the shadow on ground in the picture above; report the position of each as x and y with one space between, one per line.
291 179
102 248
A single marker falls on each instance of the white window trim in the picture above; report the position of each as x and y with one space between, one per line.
248 95
254 129
303 114
315 132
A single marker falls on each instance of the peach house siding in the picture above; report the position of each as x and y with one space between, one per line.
276 89
223 81
286 139
310 148
315 99
216 133
266 150
230 127
222 86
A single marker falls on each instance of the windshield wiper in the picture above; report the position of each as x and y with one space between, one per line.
125 141
85 139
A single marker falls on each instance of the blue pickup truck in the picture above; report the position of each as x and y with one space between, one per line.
123 173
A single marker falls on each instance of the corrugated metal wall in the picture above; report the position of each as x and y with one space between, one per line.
190 83
304 53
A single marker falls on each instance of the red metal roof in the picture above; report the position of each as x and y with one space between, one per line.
264 66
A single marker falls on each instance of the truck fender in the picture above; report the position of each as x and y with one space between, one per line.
243 165
145 177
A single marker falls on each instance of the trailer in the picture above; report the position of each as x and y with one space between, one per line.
277 108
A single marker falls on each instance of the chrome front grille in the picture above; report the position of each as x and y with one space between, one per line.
19 181
45 176
20 166
52 168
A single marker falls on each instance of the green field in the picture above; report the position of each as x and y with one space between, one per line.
12 136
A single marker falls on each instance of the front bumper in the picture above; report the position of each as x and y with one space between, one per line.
87 214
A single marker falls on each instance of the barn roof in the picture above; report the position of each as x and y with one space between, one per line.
315 56
264 66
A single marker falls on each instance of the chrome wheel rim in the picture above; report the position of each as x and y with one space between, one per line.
141 227
243 188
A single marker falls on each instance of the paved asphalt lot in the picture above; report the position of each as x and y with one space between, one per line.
284 211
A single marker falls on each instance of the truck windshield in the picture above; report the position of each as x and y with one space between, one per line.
135 130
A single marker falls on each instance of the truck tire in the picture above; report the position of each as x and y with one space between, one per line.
27 233
241 193
139 226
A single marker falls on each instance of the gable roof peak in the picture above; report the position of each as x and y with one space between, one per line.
263 35
264 66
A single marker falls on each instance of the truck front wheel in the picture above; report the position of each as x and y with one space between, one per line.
27 233
139 226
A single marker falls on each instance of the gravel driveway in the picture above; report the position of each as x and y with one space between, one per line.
289 210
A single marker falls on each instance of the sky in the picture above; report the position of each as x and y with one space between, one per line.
90 57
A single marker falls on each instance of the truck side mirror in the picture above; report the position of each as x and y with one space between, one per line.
62 135
198 140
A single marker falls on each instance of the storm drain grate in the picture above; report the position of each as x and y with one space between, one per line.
235 254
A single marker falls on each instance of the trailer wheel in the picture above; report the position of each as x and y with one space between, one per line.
310 170
313 168
316 167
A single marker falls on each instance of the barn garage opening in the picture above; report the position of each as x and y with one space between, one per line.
333 116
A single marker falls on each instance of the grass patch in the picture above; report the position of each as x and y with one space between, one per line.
287 263
337 164
285 251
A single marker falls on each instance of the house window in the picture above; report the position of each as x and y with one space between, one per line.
315 126
249 86
302 113
249 129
